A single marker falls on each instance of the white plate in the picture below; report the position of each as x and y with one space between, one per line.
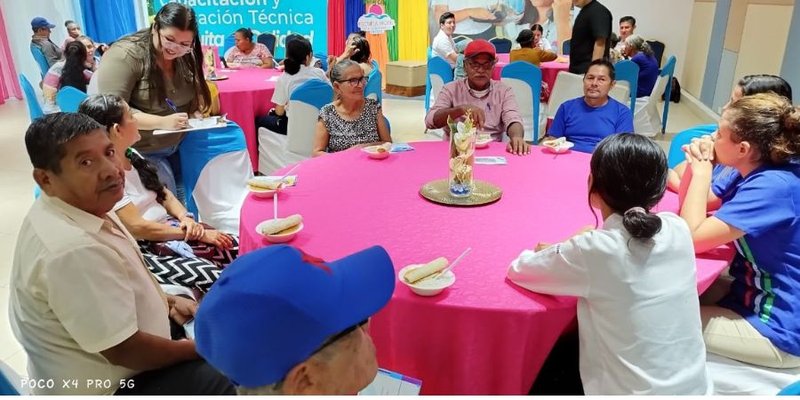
428 287
259 192
282 238
372 152
482 144
563 148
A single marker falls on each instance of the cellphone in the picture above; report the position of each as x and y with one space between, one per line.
188 327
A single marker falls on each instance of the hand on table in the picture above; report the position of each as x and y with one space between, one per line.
518 146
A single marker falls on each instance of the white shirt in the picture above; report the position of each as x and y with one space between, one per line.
286 83
638 309
467 26
443 45
79 287
144 200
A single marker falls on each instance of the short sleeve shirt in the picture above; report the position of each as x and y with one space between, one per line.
593 22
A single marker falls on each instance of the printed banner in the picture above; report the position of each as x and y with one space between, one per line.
217 19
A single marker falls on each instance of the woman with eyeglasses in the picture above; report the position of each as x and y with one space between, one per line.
158 71
351 120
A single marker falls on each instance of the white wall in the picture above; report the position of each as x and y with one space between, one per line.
18 15
665 20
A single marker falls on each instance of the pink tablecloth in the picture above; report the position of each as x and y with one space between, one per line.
483 335
549 69
244 95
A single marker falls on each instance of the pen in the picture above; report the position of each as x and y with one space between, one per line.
171 105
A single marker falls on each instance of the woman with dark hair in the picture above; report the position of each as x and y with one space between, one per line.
158 71
637 271
247 53
748 85
297 70
752 315
356 49
75 70
177 249
351 120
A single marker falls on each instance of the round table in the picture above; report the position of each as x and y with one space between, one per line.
483 335
246 94
550 69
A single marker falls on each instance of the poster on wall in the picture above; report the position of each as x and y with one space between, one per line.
488 19
218 19
376 20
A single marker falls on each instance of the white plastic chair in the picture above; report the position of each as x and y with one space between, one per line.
567 87
276 151
646 118
732 377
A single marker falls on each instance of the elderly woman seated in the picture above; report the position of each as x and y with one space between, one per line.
247 54
639 52
351 120
176 249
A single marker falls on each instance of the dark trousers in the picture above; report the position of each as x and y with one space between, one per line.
275 123
189 378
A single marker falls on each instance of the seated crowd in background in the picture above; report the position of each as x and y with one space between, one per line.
530 49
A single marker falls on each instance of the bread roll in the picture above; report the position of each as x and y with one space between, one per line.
275 226
263 184
422 272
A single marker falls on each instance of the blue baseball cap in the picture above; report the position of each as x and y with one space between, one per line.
271 309
41 22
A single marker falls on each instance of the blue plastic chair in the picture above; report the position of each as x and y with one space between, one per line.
40 59
68 99
791 390
441 69
565 47
501 45
34 108
628 71
300 131
323 61
373 89
230 41
532 76
267 39
669 71
684 137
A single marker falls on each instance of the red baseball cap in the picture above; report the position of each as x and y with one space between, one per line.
479 46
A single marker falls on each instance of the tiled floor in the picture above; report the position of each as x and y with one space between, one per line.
406 116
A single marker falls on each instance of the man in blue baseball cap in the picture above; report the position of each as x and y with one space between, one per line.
41 39
279 321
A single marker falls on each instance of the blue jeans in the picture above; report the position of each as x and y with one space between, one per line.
168 165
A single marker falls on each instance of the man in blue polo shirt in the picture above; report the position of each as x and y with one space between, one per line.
586 120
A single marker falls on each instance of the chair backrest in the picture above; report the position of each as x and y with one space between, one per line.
304 103
10 381
323 60
675 152
667 71
791 390
41 60
439 74
628 71
267 39
525 80
565 47
230 41
658 50
374 84
567 87
68 99
458 39
501 45
620 93
34 108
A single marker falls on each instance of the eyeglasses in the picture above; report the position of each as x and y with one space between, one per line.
355 81
481 66
331 340
174 47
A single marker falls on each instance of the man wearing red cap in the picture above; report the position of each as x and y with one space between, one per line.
491 103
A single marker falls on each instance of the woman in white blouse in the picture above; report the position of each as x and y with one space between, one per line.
635 279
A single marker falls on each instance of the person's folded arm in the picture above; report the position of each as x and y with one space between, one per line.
143 229
143 352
